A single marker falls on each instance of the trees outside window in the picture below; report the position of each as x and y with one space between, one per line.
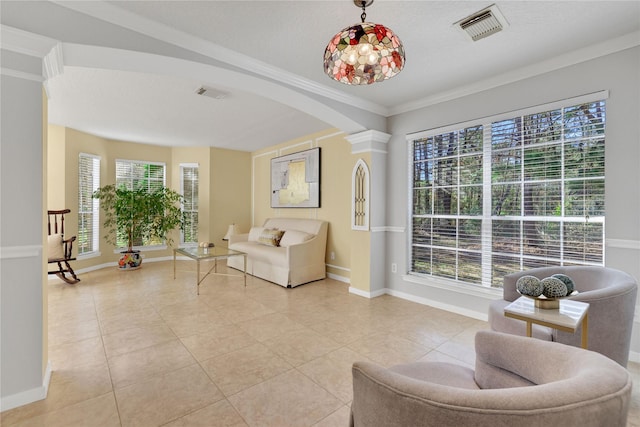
509 193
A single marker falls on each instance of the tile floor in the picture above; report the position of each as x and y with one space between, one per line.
141 349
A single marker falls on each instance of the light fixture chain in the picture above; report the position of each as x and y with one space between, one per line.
364 12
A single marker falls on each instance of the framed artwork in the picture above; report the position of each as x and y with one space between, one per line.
295 180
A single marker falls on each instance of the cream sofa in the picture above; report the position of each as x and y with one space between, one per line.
298 258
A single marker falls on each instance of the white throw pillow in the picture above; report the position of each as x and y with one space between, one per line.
294 237
55 247
254 233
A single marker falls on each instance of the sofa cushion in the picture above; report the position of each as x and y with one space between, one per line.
270 237
55 247
442 373
259 253
294 237
254 234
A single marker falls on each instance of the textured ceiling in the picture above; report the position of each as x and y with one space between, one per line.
282 43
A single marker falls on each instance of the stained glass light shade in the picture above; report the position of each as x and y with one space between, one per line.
364 53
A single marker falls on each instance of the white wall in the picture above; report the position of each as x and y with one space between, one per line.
620 74
22 376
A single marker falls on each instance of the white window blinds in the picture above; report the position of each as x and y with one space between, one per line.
88 207
510 194
189 189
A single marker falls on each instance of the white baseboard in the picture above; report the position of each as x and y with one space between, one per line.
28 396
114 264
419 300
440 305
366 294
338 278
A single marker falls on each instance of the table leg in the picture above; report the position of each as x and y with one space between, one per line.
585 332
529 328
198 277
245 270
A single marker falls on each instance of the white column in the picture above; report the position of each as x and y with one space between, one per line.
368 264
24 372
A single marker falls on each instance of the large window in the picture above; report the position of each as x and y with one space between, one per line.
189 190
88 207
507 193
135 174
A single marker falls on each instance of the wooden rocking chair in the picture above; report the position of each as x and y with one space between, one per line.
60 248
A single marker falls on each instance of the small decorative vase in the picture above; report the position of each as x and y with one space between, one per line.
130 260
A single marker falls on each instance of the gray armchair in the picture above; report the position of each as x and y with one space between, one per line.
517 381
611 295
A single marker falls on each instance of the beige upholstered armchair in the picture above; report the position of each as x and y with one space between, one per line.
517 381
611 295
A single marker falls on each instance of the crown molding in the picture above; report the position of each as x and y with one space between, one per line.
21 75
25 43
53 63
565 60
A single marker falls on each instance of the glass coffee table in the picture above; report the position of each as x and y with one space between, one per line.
214 253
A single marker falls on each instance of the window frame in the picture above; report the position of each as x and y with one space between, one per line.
184 166
486 281
95 206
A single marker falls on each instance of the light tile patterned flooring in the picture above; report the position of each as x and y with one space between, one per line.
141 349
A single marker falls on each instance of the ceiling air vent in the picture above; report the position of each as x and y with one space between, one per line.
211 92
483 23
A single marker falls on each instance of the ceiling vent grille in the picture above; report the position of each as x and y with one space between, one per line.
211 92
483 23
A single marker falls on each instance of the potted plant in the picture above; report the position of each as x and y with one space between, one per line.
135 214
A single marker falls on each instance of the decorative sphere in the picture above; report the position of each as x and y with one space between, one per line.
568 281
553 288
529 285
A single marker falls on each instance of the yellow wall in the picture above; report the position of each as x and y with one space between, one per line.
234 187
224 184
56 169
361 260
230 199
337 163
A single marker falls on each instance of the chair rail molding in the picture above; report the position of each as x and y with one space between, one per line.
623 244
27 251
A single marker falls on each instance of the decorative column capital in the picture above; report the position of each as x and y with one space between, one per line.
48 50
369 141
